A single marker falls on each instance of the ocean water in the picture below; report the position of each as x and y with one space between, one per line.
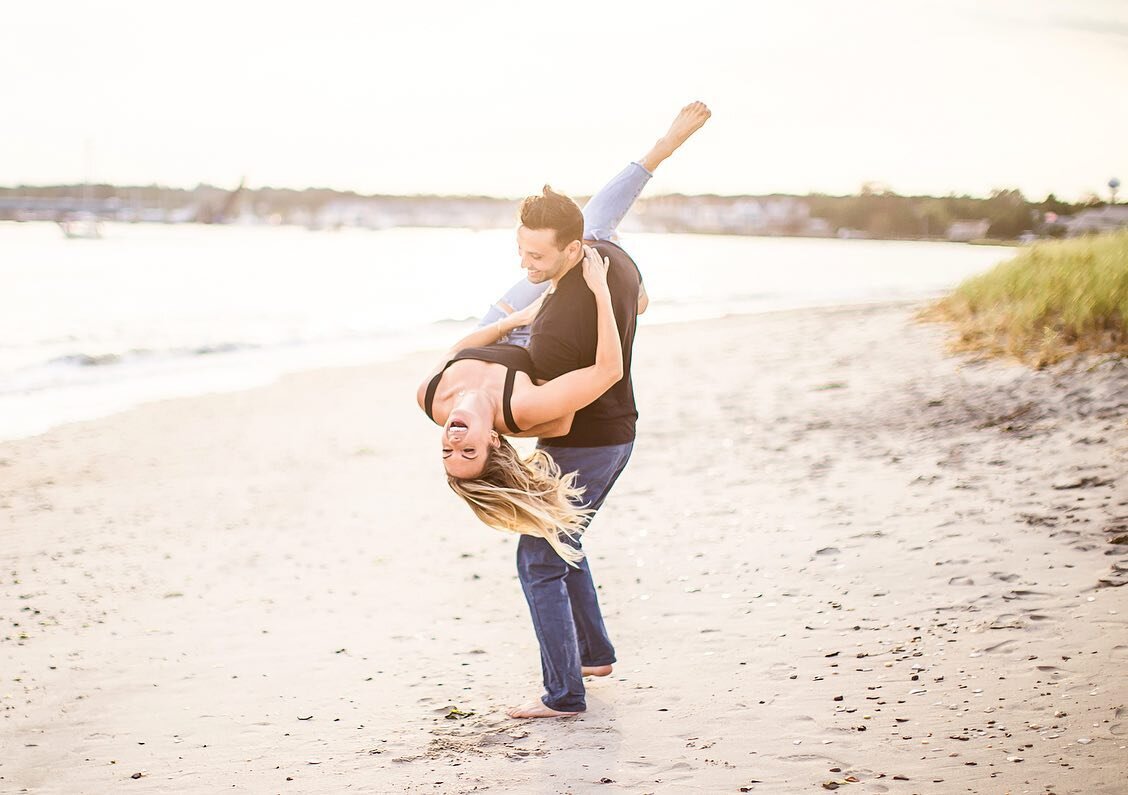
91 327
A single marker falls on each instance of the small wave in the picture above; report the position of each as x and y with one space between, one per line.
223 347
145 354
86 359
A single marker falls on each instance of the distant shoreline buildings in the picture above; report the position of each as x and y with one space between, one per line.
873 213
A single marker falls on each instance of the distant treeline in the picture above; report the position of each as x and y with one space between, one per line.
158 195
883 214
875 211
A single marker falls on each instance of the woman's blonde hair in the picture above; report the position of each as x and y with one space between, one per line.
527 495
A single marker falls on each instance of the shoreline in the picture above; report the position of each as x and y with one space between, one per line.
837 552
214 372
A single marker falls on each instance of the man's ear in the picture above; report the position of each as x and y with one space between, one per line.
574 249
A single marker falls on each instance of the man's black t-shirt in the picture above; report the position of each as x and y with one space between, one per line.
564 338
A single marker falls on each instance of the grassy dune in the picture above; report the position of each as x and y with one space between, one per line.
1055 299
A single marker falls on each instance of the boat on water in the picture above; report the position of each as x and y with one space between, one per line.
81 226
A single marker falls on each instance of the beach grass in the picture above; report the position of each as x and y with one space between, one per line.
1054 300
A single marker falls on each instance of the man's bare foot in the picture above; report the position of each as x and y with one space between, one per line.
595 670
688 121
537 709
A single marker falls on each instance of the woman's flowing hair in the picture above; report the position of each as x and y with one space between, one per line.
527 495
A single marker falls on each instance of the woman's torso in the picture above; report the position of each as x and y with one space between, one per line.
512 359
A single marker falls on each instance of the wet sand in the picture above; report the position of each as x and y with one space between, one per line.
840 558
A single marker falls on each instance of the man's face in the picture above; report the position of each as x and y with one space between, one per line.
539 255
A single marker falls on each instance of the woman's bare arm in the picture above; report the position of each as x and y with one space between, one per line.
483 336
487 335
572 391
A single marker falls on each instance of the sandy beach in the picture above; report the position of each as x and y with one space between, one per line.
840 558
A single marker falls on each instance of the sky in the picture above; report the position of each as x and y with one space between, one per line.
499 98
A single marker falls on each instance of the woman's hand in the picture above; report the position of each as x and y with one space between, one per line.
595 270
523 317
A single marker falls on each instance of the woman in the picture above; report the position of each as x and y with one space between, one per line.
479 389
485 388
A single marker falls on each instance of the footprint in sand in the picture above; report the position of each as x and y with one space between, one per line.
681 771
1006 621
780 671
806 758
1018 594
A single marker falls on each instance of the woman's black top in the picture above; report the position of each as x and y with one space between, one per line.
514 357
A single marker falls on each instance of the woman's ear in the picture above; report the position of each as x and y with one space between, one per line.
495 440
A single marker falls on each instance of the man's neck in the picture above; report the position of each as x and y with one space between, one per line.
568 267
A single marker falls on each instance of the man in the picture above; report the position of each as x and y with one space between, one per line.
562 599
565 610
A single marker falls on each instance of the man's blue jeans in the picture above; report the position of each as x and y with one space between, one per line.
562 599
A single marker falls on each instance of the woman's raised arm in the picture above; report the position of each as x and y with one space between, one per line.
572 391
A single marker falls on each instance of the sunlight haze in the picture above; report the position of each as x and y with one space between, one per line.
499 98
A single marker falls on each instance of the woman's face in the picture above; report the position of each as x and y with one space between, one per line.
467 441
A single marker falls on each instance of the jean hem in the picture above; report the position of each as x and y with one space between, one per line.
612 661
581 708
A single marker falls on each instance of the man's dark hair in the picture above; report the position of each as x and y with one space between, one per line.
555 211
